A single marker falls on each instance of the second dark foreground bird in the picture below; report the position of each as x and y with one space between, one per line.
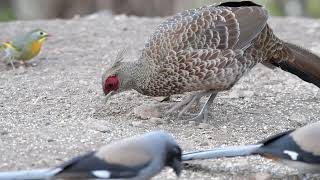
208 50
298 148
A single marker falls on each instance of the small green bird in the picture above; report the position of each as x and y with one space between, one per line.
23 48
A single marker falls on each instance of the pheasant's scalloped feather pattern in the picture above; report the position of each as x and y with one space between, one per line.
207 48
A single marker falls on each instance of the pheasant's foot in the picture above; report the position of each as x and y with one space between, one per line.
194 99
188 106
180 104
203 114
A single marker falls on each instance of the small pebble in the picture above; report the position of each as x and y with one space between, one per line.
136 123
261 176
204 126
147 111
192 123
241 94
299 118
204 144
82 82
156 121
20 70
100 126
4 133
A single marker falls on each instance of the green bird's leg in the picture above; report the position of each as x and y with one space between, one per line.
11 62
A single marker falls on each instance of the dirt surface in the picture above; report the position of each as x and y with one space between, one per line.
56 110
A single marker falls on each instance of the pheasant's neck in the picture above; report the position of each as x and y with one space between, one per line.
138 74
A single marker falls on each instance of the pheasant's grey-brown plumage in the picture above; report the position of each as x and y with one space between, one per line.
208 49
201 49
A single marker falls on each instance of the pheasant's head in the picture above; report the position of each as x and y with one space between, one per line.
114 78
110 82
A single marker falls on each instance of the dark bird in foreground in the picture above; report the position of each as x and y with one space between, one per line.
206 51
136 158
298 148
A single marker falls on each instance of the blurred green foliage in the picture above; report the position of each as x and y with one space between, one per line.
312 8
6 14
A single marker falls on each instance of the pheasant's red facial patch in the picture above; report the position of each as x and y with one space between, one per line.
112 83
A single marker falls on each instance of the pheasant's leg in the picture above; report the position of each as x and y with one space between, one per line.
188 102
180 104
203 114
188 106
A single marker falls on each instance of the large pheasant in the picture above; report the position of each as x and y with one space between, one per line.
207 50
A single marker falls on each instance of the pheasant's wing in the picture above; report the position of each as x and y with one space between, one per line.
200 69
252 18
210 27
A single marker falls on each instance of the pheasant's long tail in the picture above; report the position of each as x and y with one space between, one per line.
304 63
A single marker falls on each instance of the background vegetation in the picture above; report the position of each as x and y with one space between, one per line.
43 9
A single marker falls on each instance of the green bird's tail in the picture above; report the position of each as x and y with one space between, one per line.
2 46
4 53
5 45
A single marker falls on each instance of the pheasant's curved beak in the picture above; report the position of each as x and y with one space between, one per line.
109 95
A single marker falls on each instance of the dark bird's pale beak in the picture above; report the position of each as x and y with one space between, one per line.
177 166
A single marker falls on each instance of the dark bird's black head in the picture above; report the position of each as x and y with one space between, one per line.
173 160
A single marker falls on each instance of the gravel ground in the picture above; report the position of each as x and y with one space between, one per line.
56 110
